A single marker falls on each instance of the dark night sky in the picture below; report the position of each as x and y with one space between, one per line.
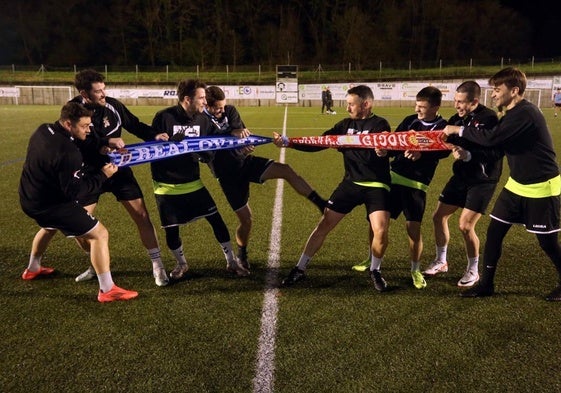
545 16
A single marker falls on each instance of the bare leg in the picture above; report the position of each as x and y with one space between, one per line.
98 238
138 212
243 229
328 221
468 220
415 240
379 222
440 222
283 171
41 241
39 245
442 238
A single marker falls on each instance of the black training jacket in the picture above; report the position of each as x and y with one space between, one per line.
53 171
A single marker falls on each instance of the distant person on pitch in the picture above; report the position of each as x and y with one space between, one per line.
327 101
557 101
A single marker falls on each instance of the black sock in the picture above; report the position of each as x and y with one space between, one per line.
550 244
488 277
317 200
242 252
496 232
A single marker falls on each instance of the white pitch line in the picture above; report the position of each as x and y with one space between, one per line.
264 379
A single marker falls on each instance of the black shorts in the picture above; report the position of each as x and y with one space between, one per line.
122 184
475 197
184 208
69 218
409 201
538 215
236 185
349 195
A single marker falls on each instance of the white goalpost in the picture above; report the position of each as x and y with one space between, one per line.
532 95
49 95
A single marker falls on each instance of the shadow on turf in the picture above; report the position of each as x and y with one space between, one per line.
353 282
340 280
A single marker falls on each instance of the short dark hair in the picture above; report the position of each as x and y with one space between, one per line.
74 111
362 91
85 78
188 88
471 88
510 77
430 94
213 94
